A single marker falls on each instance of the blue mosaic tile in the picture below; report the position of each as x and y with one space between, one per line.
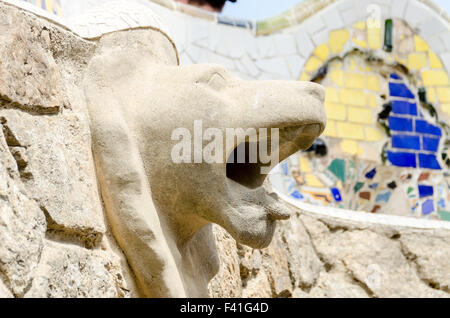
400 90
221 19
395 76
297 195
383 197
285 168
427 207
406 142
425 127
371 174
373 186
430 144
441 203
400 124
402 159
404 108
428 162
425 191
336 194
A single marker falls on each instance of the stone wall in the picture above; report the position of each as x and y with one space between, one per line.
54 238
333 254
56 242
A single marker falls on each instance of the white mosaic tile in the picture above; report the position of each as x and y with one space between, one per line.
304 44
211 57
445 37
185 59
274 65
315 24
417 13
436 44
349 16
285 44
266 47
445 57
321 37
295 64
332 18
250 66
398 8
195 53
431 27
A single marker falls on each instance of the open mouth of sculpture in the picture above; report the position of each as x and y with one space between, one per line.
244 164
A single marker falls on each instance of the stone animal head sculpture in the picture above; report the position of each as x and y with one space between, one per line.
159 210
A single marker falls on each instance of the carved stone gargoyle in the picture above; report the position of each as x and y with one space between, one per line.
161 211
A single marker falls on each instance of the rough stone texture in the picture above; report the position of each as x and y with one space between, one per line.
25 54
55 242
52 228
72 271
22 227
322 257
228 280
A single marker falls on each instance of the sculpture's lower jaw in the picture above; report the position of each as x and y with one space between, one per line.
252 214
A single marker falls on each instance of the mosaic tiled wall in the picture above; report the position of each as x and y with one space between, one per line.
387 111
52 6
386 142
385 66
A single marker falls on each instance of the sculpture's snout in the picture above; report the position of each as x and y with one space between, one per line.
293 107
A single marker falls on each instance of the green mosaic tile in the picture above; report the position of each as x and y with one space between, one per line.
337 167
358 186
444 215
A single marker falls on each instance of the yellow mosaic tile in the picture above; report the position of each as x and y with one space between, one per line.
373 83
360 115
372 100
435 62
353 97
322 52
353 65
443 94
304 77
374 38
446 108
337 40
304 165
360 43
336 111
336 65
313 64
373 134
330 129
337 76
331 95
417 61
355 80
421 45
350 131
400 60
431 95
351 147
435 78
313 181
361 25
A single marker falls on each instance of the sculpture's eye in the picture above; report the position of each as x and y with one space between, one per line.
217 81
